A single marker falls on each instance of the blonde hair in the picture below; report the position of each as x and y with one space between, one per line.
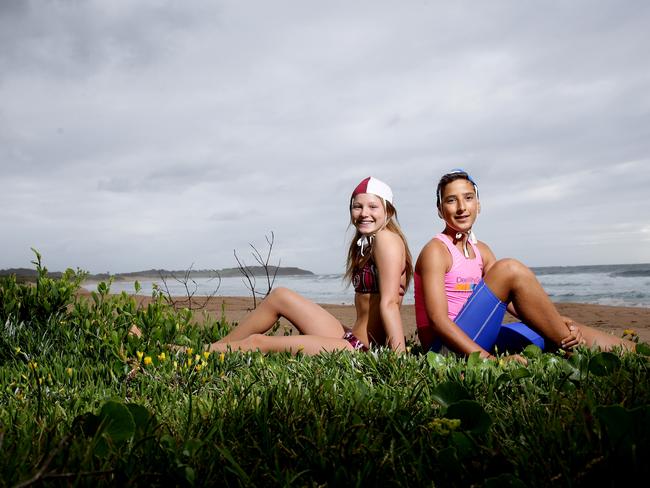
356 261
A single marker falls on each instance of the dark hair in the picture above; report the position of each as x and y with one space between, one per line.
453 175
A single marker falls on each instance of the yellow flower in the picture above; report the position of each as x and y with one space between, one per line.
630 332
139 354
444 426
69 371
222 356
147 360
32 365
189 361
189 351
197 358
175 364
17 350
197 367
162 357
206 354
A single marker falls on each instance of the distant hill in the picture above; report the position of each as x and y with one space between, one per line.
209 273
27 274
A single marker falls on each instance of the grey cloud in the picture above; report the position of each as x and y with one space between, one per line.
116 185
230 215
76 38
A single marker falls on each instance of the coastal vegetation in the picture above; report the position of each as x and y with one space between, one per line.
83 402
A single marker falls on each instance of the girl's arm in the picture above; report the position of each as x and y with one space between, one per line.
389 255
433 262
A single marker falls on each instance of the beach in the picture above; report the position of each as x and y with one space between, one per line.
614 320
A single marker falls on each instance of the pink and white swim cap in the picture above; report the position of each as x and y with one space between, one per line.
374 186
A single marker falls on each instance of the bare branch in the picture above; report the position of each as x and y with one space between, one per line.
269 271
191 287
247 276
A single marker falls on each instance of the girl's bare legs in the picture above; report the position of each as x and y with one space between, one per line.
307 344
605 341
322 331
511 281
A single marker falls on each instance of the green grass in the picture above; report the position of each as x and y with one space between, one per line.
84 403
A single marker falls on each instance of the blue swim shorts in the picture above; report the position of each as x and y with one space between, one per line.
481 319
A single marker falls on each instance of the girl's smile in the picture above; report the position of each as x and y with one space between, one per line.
367 213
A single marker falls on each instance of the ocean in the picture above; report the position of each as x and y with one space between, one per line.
620 285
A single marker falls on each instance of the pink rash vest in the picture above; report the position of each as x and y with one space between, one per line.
460 281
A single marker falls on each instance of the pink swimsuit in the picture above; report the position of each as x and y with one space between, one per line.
473 307
460 281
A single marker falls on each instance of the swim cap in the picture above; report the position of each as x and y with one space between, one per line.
455 171
374 186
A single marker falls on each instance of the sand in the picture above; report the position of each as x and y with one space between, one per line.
611 319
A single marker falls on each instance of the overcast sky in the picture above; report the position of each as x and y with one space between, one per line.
157 134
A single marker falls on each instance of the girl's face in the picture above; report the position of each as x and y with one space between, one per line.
367 213
460 206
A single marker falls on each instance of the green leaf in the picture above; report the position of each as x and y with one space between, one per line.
519 373
449 392
643 349
141 416
532 351
617 422
474 359
435 360
102 289
119 422
192 446
190 475
604 363
463 445
473 418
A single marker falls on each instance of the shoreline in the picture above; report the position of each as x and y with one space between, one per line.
612 319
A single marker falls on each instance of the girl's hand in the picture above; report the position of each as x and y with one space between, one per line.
516 357
574 338
512 357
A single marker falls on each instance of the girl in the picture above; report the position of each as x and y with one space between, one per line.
462 291
379 266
